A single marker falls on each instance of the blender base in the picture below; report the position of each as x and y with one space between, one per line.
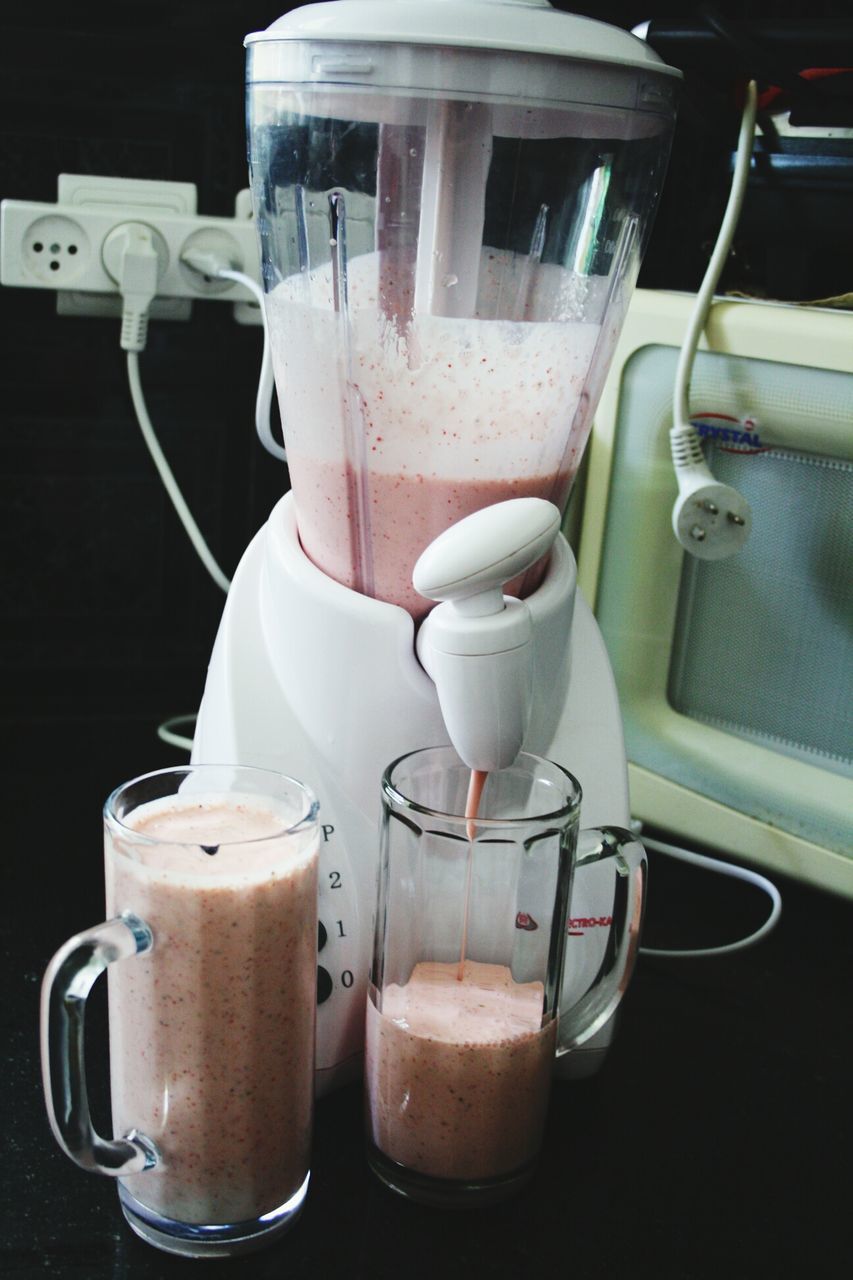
314 680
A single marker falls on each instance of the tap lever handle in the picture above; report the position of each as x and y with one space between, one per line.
470 562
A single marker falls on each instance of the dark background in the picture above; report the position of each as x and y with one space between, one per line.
715 1143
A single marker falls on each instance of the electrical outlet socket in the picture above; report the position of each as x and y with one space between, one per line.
66 246
55 250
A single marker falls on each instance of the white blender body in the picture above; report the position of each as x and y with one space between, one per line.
451 225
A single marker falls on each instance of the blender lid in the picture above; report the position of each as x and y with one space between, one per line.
519 26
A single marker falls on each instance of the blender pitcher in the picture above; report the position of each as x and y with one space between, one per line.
451 225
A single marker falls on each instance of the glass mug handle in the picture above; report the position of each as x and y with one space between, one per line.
69 978
589 1014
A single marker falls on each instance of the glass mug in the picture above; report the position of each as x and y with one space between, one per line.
210 939
463 1004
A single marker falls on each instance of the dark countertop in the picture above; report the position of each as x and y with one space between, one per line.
714 1142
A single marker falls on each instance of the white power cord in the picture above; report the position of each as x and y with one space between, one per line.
166 732
165 472
138 285
213 267
266 382
724 869
140 269
710 520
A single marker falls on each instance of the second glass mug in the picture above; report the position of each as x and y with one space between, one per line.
210 941
464 999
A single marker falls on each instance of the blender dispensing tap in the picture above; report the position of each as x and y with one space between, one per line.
476 644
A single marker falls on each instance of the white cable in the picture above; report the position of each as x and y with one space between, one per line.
140 271
705 296
710 520
263 403
207 264
170 484
166 732
210 265
139 275
724 869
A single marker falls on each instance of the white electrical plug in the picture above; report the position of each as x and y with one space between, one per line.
134 259
208 263
711 520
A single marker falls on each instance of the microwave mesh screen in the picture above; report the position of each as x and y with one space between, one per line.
763 642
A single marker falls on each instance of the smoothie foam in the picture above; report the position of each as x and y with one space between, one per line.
458 1073
212 1033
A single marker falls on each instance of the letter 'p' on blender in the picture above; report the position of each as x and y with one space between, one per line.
452 201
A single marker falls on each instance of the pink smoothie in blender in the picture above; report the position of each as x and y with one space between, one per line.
436 352
453 415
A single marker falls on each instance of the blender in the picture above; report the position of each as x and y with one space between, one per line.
452 200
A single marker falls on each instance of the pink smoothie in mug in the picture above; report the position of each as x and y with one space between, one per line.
458 1072
212 1032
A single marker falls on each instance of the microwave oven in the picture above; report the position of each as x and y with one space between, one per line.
735 676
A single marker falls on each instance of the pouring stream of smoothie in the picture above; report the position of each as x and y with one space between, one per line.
472 808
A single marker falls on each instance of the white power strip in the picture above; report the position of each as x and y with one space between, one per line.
72 246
